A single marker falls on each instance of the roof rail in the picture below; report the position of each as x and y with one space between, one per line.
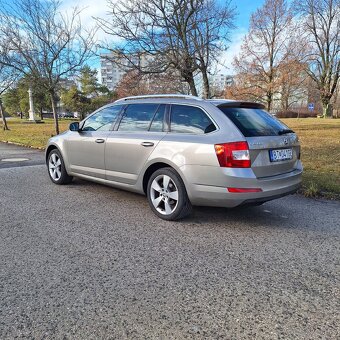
182 96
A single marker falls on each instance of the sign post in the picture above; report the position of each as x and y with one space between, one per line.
311 107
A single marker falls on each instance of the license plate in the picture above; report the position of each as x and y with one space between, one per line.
280 155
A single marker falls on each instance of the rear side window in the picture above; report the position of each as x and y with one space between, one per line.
158 119
255 122
190 119
137 117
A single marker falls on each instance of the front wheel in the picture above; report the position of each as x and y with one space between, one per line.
167 195
56 168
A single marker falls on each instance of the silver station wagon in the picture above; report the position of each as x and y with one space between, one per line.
181 151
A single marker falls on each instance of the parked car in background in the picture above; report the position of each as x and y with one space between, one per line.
181 151
66 115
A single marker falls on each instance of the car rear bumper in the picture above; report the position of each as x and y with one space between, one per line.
219 196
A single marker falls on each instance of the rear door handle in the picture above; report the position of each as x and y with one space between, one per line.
146 144
100 140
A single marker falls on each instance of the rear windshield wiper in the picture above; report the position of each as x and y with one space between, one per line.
285 131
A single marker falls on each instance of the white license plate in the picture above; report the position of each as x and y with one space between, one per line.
280 155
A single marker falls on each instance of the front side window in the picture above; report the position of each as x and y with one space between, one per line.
190 119
253 122
102 120
137 117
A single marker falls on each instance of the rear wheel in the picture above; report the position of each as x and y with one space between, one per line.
56 168
167 195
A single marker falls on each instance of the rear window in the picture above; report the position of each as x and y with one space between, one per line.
255 122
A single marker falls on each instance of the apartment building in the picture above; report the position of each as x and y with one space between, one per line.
113 67
221 81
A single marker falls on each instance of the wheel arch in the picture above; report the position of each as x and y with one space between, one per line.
150 170
158 165
49 149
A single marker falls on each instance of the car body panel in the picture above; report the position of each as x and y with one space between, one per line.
84 155
125 155
259 153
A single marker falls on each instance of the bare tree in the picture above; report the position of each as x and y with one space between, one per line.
134 84
321 22
158 35
7 78
265 48
210 35
292 83
44 43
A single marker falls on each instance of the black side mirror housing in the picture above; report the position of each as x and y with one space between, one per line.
74 126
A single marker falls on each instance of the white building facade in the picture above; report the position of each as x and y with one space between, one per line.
111 72
114 66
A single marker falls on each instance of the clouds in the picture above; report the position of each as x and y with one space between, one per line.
233 50
89 10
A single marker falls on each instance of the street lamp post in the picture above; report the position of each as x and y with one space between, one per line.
31 110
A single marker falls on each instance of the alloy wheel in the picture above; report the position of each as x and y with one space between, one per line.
54 166
164 194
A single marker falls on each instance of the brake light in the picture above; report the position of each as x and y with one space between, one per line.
233 155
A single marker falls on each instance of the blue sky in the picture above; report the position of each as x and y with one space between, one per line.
244 8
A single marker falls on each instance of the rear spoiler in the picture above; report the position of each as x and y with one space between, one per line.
245 105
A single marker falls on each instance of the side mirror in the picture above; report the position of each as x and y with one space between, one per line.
74 126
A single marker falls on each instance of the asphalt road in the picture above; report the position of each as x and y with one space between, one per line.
15 156
85 261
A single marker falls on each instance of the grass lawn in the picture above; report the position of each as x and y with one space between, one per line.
33 135
320 141
320 154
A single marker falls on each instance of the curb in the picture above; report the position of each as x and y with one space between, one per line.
23 145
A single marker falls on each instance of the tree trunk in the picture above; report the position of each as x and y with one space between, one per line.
55 114
286 103
193 88
269 101
41 114
206 85
326 108
189 78
2 114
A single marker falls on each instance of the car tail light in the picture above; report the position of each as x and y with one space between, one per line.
233 155
243 190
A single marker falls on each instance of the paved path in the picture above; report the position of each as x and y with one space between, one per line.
85 261
10 152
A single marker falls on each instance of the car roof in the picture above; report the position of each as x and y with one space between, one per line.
179 98
235 103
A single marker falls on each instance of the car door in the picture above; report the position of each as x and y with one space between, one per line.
127 149
85 149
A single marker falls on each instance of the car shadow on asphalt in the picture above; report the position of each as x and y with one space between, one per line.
248 215
266 214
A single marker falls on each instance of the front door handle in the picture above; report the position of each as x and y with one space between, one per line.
146 144
100 140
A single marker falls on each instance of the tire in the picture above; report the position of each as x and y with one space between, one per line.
56 168
167 195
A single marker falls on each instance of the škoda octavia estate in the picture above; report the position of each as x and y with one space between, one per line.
181 151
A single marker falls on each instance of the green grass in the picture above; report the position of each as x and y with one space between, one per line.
320 143
33 135
320 154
